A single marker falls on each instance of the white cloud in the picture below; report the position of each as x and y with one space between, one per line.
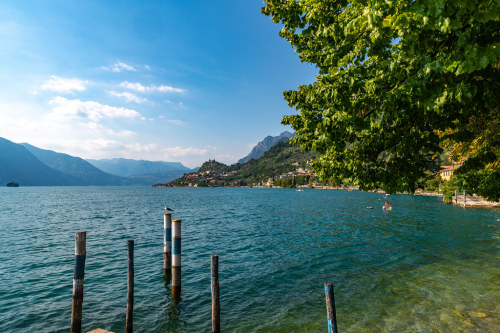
168 89
98 128
151 88
81 131
120 67
64 109
63 85
176 121
124 133
133 86
128 96
104 148
183 152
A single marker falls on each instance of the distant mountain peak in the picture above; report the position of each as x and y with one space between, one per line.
265 144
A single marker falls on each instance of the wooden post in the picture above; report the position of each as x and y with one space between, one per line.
215 294
79 272
456 197
465 198
176 258
167 244
330 308
129 326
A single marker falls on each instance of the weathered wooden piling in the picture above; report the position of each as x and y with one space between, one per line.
214 268
167 244
330 308
79 272
176 258
129 326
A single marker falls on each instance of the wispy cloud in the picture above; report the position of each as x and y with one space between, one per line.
98 128
151 88
102 147
182 152
127 96
64 109
176 121
64 85
119 67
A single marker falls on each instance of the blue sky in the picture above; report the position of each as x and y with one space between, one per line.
158 80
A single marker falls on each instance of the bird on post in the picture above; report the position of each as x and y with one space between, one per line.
168 209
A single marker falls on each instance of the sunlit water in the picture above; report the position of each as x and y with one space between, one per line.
422 267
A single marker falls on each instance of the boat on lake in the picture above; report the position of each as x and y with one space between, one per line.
12 184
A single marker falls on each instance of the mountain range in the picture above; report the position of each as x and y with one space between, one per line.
141 171
81 171
32 166
19 165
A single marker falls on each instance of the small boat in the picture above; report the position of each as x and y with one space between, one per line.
300 190
369 207
12 184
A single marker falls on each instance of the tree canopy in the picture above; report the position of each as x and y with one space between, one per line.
398 82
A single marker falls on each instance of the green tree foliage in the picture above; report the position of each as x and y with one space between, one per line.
433 184
398 82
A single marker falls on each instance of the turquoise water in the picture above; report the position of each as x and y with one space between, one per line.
422 267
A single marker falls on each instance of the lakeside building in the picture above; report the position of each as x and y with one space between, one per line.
447 171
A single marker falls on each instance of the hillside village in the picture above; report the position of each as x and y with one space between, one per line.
282 165
212 176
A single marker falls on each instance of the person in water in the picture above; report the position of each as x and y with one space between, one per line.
387 204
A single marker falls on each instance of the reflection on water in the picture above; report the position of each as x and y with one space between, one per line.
422 267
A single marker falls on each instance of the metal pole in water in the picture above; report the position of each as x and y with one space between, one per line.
214 268
330 308
176 258
79 272
130 288
167 244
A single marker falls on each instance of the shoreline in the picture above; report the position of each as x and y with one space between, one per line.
458 200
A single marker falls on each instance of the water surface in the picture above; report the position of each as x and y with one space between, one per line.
422 267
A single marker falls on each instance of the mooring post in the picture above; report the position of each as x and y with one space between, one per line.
176 258
215 294
330 308
79 272
167 244
129 319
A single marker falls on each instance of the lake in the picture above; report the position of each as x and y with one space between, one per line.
422 267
